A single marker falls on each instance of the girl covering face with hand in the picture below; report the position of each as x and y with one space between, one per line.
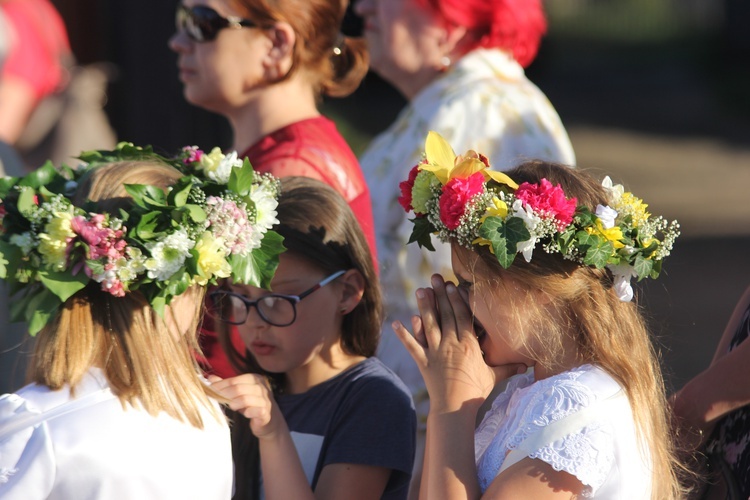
326 419
544 257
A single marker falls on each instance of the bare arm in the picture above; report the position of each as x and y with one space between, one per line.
717 390
283 475
17 102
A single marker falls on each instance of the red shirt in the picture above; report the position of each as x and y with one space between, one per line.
309 148
314 148
39 43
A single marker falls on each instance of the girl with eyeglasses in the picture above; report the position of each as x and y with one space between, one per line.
326 418
264 66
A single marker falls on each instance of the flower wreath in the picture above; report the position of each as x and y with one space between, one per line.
460 198
214 222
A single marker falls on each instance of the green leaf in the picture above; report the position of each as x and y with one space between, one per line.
63 284
26 203
10 256
37 307
41 176
504 237
257 268
146 228
195 212
241 179
146 196
422 233
179 194
6 184
642 267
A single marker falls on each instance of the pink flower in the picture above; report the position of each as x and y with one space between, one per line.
2 216
456 194
101 241
406 189
229 222
548 200
193 154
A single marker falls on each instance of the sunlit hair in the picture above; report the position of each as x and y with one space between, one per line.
513 25
147 362
317 24
584 311
317 225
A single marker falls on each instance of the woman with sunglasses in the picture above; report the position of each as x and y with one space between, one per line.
326 418
264 65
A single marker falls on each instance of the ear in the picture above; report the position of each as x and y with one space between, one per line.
452 41
279 57
352 291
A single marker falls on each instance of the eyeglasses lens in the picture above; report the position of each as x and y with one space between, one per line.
201 24
274 309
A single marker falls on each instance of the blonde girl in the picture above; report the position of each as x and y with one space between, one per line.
543 283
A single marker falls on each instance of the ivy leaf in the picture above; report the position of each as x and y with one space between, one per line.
422 233
504 237
642 267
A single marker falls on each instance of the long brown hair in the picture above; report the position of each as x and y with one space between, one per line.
335 63
587 313
145 361
317 225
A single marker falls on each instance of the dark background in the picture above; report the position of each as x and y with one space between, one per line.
652 92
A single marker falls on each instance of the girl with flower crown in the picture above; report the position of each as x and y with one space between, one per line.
543 257
327 419
109 265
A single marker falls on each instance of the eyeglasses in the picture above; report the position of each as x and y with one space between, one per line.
202 24
275 309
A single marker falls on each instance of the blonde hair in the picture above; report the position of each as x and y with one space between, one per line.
584 310
146 363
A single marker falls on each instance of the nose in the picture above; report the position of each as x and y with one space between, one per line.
179 42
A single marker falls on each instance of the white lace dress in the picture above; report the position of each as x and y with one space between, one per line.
603 454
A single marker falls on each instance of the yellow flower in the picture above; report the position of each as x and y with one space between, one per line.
613 234
484 242
498 209
443 162
633 206
212 259
211 161
54 243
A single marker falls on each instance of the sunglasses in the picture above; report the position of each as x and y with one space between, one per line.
202 24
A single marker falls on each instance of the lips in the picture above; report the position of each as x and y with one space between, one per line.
261 348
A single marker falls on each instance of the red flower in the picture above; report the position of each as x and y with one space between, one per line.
406 188
2 216
546 199
456 194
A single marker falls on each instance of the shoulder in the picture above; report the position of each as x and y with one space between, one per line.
571 421
371 378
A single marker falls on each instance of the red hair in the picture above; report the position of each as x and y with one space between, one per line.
513 25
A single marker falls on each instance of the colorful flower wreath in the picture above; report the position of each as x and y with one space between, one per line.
215 222
460 198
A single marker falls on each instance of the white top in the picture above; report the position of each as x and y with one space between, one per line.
603 454
102 451
485 103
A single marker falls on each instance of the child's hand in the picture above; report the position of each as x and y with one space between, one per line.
446 349
250 395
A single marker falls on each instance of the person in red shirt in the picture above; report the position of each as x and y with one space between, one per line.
265 69
34 66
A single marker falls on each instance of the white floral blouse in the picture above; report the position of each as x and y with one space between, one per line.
485 103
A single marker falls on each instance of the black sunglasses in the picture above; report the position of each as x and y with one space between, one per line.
202 24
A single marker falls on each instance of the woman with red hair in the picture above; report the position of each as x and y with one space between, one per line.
460 65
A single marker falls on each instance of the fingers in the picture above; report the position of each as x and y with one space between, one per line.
429 313
247 393
414 347
462 313
444 304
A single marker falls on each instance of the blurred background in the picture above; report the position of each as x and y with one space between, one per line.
653 93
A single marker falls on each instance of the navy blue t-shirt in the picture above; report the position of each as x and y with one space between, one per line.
364 415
